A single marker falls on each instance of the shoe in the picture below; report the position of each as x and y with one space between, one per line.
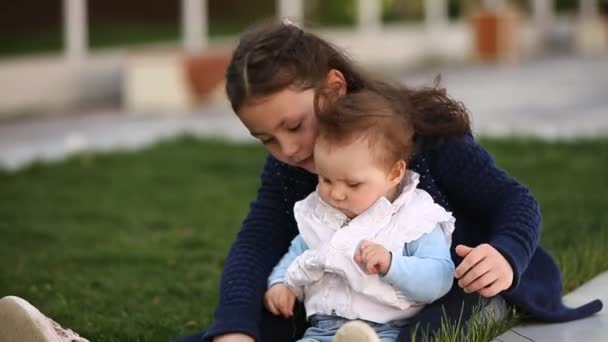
20 321
356 331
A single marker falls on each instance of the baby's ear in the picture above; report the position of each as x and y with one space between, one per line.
336 82
398 172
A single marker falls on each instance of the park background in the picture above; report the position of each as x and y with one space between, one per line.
125 176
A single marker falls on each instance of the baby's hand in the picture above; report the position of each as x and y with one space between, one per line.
280 299
374 258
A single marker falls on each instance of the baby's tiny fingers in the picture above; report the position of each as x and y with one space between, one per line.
285 311
364 244
370 266
271 307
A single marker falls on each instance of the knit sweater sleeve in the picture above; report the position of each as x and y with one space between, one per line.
259 245
468 175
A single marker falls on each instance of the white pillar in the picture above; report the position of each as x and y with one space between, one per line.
194 25
494 5
369 15
436 14
75 30
291 9
588 8
436 22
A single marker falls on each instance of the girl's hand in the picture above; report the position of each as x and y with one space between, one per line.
280 299
374 258
233 338
483 270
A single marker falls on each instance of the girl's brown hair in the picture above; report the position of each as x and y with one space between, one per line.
275 56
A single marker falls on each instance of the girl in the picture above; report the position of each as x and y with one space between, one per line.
374 237
271 82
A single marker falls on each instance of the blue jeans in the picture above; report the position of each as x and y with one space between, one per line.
323 329
454 306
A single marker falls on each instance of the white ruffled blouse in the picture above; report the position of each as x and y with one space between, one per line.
326 275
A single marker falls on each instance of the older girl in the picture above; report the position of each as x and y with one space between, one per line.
272 81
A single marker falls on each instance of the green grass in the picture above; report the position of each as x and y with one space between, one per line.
570 181
129 246
484 328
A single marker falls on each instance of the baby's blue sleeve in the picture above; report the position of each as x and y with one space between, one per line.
297 247
425 271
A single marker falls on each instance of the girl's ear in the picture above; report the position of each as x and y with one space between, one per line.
397 172
335 81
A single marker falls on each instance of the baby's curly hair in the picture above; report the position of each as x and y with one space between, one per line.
378 118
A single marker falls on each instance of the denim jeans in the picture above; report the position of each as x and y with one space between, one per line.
456 305
323 329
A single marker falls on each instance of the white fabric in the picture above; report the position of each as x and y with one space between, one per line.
326 276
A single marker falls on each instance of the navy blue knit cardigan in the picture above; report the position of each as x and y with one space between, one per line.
489 206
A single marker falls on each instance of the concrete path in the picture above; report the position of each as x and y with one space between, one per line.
22 142
592 329
559 98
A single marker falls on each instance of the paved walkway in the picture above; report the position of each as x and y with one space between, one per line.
592 329
562 98
22 142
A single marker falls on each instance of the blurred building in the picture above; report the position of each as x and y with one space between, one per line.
166 56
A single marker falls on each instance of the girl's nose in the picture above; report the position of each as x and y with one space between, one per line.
290 150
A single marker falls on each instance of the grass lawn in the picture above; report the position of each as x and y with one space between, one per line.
129 246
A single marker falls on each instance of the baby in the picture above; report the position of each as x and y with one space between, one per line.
372 247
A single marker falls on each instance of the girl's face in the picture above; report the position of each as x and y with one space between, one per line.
285 122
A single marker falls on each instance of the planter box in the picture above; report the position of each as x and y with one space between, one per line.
171 82
592 35
206 75
156 83
495 36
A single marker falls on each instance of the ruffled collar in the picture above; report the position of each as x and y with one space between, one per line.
381 209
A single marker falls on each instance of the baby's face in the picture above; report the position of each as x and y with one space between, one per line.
350 179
